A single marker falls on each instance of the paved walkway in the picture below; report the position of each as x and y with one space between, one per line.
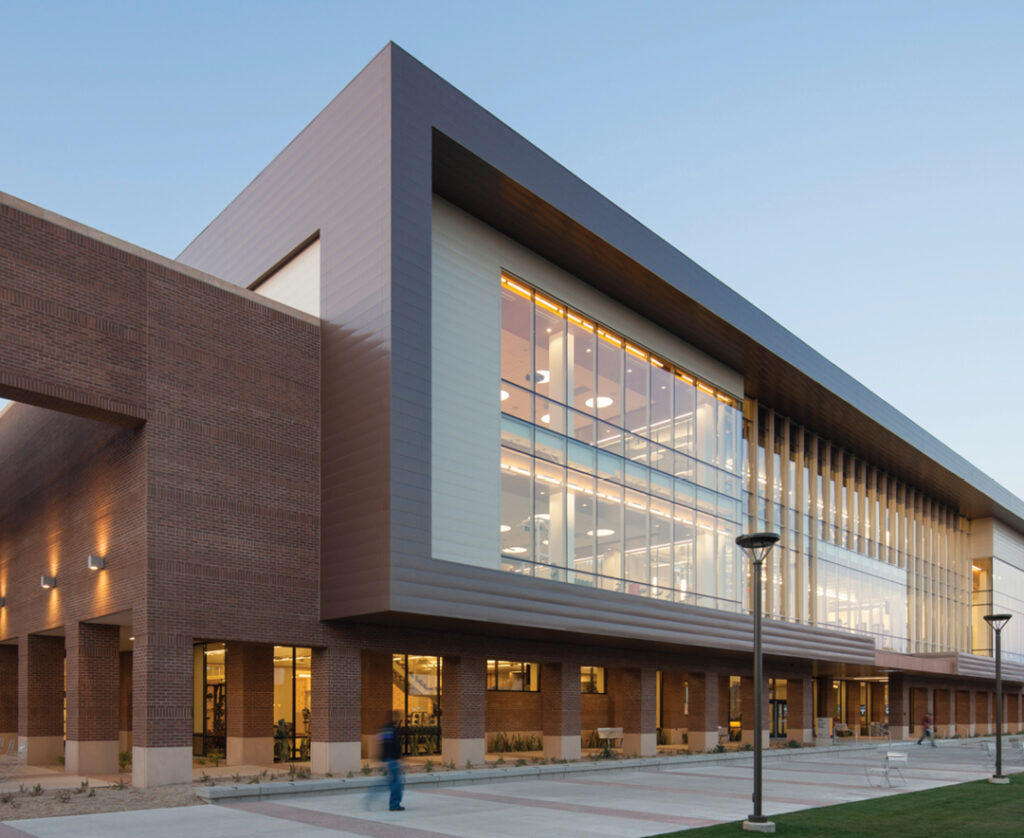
626 803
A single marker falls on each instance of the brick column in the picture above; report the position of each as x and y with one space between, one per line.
162 685
704 719
561 710
673 706
853 717
41 698
982 715
747 710
8 693
249 676
876 702
125 709
1012 703
964 713
335 713
463 697
634 709
899 703
93 676
377 701
944 724
800 710
922 705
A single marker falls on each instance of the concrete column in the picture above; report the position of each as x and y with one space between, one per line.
124 735
945 725
377 705
561 711
899 702
249 675
800 710
634 709
41 698
463 703
747 710
703 720
162 684
8 693
93 688
964 713
673 706
336 675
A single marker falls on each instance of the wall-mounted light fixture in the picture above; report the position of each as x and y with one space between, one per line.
47 582
96 562
3 601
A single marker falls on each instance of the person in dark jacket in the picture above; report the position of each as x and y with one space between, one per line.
390 740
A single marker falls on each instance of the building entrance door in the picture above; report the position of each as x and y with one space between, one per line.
416 702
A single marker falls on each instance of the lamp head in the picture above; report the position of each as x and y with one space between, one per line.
95 562
757 545
997 621
47 582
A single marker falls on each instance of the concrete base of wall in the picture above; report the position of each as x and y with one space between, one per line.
42 750
337 758
161 766
7 737
461 751
803 735
945 731
91 757
899 732
674 735
700 741
640 744
250 750
562 747
747 738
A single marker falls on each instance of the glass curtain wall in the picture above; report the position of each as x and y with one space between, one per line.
619 469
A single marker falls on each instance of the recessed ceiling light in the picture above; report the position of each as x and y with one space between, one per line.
504 528
504 394
543 376
514 550
601 533
602 401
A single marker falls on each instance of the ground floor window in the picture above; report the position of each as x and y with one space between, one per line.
513 676
416 702
293 699
592 680
209 700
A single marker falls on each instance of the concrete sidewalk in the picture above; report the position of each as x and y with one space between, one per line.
624 801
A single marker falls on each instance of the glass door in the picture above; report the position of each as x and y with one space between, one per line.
416 702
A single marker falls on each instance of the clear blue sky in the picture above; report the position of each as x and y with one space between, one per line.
853 168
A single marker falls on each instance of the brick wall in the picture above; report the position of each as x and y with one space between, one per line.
513 711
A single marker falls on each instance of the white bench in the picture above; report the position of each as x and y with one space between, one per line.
607 735
890 772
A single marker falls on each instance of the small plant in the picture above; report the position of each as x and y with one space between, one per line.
63 795
329 774
793 744
83 787
236 777
469 764
217 755
124 760
120 785
501 761
37 790
718 749
61 759
520 762
253 780
366 769
7 798
204 777
428 766
747 747
92 793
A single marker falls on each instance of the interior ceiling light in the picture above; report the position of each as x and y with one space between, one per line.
504 528
96 562
515 550
543 376
601 533
601 401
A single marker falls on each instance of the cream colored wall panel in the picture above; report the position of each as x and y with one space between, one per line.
296 283
1008 545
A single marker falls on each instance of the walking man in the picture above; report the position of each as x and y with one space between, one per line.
391 753
926 730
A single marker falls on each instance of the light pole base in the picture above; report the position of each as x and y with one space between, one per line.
1002 781
758 826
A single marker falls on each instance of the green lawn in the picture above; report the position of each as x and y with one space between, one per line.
979 810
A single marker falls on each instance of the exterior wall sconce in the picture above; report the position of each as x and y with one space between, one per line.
47 582
96 562
3 601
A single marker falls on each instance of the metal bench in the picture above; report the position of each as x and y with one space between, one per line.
890 772
12 759
607 735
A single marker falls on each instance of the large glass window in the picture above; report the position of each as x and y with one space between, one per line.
607 453
513 676
293 701
592 679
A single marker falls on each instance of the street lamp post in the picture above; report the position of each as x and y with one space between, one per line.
757 546
997 621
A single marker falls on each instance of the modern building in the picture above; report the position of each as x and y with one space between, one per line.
421 423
